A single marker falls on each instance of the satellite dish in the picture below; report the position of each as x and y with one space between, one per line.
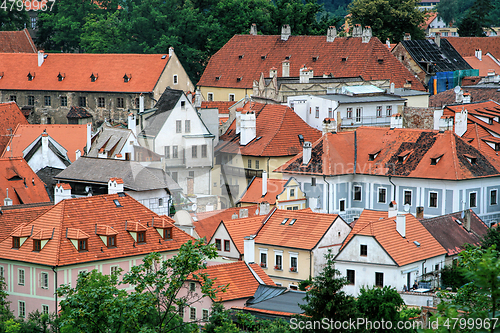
457 89
193 207
407 208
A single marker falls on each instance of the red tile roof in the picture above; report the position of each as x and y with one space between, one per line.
477 94
271 312
223 107
10 117
402 250
253 193
77 218
334 154
240 228
77 69
260 272
484 65
277 128
23 184
16 42
305 233
467 46
71 137
78 113
247 56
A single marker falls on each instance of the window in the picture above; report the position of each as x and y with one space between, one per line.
382 195
101 102
37 245
379 279
2 272
205 315
187 126
64 101
192 286
167 151
13 98
44 280
227 245
175 152
33 22
183 105
436 267
113 269
119 102
342 205
278 262
192 313
407 198
317 112
433 202
472 199
263 259
167 233
194 151
349 113
16 242
379 110
112 241
82 101
249 164
350 276
22 309
493 197
137 102
82 245
388 110
330 113
181 311
292 192
210 97
218 245
357 193
178 126
191 174
47 100
359 111
257 164
313 181
31 100
231 97
175 79
45 309
20 277
293 264
141 237
174 176
203 151
363 250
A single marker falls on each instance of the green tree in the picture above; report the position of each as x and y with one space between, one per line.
389 18
447 10
102 33
220 321
324 296
491 238
12 16
477 18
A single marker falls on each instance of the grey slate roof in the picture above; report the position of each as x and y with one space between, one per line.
286 302
135 176
155 124
264 292
168 100
112 139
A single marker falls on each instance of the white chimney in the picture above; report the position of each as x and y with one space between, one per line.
141 103
264 183
331 34
89 137
437 118
248 128
286 31
479 54
367 35
329 126
397 121
461 122
391 89
253 29
78 154
273 72
197 99
102 153
238 121
459 95
45 148
285 68
393 209
115 185
388 43
407 36
131 123
304 75
41 58
306 152
170 51
466 220
249 248
437 39
62 191
445 123
7 201
357 31
401 224
264 208
467 98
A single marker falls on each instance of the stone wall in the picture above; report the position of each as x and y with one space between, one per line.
421 118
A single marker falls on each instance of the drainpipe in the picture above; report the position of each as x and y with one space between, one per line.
394 188
327 195
355 151
55 291
310 265
268 159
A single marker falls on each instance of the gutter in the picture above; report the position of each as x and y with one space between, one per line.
394 188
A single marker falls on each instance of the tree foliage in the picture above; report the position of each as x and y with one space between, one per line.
477 18
11 18
389 18
377 304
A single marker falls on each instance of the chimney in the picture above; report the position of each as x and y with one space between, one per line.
264 183
141 103
264 208
273 72
102 153
248 128
285 68
367 35
479 54
329 125
420 212
41 58
78 154
115 185
407 36
466 221
467 98
253 29
238 120
357 31
285 32
249 249
401 224
461 122
306 152
170 51
304 75
459 94
391 89
62 191
89 137
393 209
331 34
197 98
445 123
45 148
131 123
437 39
388 43
7 201
396 121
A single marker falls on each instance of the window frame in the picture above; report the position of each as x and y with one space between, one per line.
363 250
119 103
166 152
227 245
141 237
276 256
194 151
31 100
167 233
192 286
354 193
21 278
83 245
379 111
37 245
263 263
101 102
192 313
47 101
431 199
349 113
351 276
16 242
294 255
45 309
187 126
380 190
82 101
178 126
249 163
231 98
379 279
404 197
111 241
218 244
205 315
330 113
316 115
388 110
210 97
44 280
64 100
175 151
175 79
359 114
204 151
475 199
292 192
496 197
257 164
342 205
21 309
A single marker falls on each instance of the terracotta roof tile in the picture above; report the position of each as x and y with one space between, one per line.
253 193
222 106
77 69
277 130
105 230
78 113
247 56
466 46
240 228
260 272
64 186
478 94
10 117
305 232
484 65
402 250
78 217
271 312
16 42
10 219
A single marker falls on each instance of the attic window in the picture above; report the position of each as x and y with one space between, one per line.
380 60
373 156
16 242
315 58
288 57
117 203
141 237
403 156
470 158
121 194
240 56
1 74
344 59
164 56
435 160
292 222
284 221
93 77
238 79
217 78
263 57
127 78
416 243
31 77
60 77
167 233
37 245
490 121
82 245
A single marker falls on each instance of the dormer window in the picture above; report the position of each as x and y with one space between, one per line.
288 57
183 105
284 221
141 237
240 56
167 233
373 156
380 60
470 158
60 77
435 160
31 77
111 241
490 121
403 156
93 77
16 242
263 57
344 59
37 245
238 79
315 58
127 78
82 245
217 78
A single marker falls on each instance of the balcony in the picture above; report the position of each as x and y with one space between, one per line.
365 121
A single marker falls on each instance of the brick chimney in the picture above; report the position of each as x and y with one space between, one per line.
285 71
253 29
331 34
62 191
306 152
286 31
115 185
